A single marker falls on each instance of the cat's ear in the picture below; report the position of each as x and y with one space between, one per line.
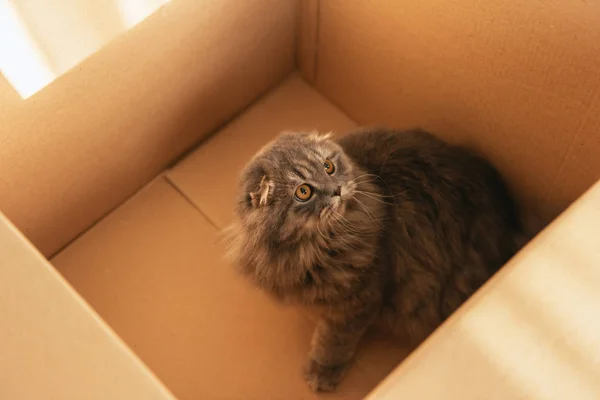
320 137
312 135
260 197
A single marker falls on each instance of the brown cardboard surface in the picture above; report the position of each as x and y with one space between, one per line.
53 345
152 270
9 98
532 332
580 162
89 140
517 80
210 182
307 39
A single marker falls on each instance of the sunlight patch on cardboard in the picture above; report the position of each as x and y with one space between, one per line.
39 40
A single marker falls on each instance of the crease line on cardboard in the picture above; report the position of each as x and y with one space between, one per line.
171 183
316 49
571 146
84 306
105 214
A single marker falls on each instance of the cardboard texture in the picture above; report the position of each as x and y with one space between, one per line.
517 81
9 98
531 333
109 126
173 299
307 39
54 346
200 327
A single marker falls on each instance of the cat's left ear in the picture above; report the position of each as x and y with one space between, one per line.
320 137
261 196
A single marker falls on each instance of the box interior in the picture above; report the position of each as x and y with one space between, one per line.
153 269
122 171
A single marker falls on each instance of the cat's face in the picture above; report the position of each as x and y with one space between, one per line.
296 186
303 205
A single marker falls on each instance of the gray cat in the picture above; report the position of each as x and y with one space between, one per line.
380 227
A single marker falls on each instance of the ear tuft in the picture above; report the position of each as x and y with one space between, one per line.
320 137
261 196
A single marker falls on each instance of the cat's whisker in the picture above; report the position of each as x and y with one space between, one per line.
369 195
342 239
345 223
370 216
368 212
321 233
365 181
348 232
375 194
375 178
371 178
342 220
393 196
363 184
368 175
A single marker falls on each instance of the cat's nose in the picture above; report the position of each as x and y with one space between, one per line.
337 191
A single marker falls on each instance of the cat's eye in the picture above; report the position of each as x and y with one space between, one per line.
329 166
303 192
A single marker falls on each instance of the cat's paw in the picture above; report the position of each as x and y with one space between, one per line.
323 378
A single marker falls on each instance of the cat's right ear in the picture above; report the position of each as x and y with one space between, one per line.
320 137
312 135
260 197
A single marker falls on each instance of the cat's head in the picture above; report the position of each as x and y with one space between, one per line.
302 204
296 186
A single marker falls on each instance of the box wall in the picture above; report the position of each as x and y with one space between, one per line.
518 81
53 345
307 38
85 143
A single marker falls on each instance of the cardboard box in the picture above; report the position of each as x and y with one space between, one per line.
121 172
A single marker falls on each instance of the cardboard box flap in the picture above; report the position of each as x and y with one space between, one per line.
532 332
53 344
98 133
154 272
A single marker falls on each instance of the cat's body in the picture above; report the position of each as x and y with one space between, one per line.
380 227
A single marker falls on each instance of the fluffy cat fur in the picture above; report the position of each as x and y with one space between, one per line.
403 231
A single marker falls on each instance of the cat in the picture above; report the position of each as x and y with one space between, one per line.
386 228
